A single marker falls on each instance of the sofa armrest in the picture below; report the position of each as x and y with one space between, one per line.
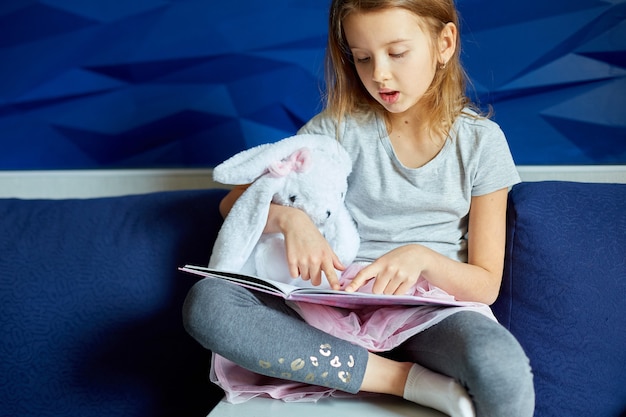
564 293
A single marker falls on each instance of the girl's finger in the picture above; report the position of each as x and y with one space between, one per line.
360 279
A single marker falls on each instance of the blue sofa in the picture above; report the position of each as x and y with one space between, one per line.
90 301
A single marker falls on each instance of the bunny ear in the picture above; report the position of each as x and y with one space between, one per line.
299 161
248 165
244 225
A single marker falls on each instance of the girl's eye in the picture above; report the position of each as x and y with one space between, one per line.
400 55
362 60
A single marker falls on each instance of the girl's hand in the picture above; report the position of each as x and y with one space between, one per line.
308 252
395 272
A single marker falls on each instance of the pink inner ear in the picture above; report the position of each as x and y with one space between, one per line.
302 158
299 161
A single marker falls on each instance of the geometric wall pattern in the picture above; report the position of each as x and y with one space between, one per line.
555 72
187 83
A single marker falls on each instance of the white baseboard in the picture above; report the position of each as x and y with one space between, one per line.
579 173
103 183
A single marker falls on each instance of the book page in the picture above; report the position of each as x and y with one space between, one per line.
336 298
248 281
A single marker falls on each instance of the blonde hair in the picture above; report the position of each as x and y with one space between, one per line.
346 94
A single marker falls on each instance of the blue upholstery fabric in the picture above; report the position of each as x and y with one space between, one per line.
90 305
564 294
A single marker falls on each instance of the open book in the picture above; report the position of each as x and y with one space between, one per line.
324 296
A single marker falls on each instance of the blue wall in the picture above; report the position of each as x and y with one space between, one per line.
187 83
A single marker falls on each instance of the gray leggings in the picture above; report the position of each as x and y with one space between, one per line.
262 334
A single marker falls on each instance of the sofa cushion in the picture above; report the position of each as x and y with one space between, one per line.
564 293
90 302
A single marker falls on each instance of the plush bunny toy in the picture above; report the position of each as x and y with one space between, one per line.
308 172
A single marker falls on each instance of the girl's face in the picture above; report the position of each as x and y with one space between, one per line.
394 56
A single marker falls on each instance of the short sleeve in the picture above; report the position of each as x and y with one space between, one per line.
495 168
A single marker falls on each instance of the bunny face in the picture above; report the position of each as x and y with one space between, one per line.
319 191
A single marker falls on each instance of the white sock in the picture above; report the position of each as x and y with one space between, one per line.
437 391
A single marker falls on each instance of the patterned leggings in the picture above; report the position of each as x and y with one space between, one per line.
262 334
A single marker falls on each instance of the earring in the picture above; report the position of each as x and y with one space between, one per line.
442 66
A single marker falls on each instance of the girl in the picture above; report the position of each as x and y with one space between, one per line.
428 193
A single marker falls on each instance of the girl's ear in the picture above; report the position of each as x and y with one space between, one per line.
447 43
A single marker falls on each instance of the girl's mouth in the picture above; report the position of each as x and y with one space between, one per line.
389 97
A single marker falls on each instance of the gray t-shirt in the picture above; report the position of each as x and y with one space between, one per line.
394 205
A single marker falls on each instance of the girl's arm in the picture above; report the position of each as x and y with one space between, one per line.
229 199
308 252
477 280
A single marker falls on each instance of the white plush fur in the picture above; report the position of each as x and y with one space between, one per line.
308 172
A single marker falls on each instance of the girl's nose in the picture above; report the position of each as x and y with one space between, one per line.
381 72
